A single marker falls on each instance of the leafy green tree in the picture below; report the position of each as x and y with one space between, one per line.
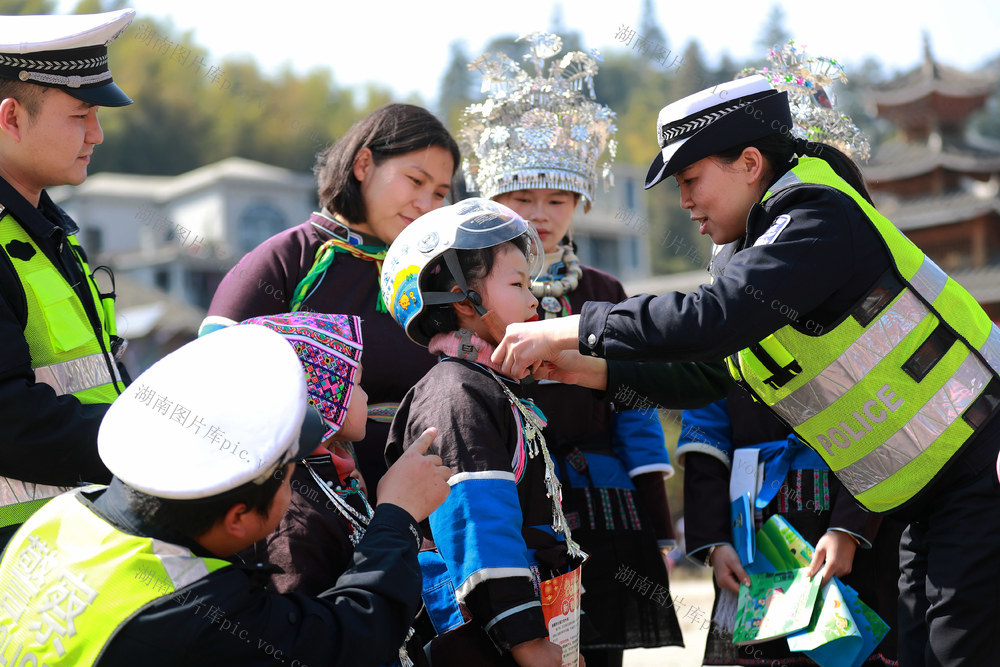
693 74
192 109
986 123
98 6
726 70
459 85
571 39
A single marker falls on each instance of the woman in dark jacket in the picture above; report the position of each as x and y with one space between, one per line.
831 317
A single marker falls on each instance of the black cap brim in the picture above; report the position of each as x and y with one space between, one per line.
768 115
107 95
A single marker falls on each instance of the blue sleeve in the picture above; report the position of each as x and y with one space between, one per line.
478 530
706 430
638 441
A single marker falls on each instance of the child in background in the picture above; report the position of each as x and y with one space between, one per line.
856 545
328 513
454 279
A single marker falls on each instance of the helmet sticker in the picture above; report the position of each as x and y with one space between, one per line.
406 299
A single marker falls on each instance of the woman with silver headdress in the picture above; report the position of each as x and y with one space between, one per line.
537 145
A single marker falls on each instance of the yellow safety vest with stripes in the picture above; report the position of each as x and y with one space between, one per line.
69 580
895 389
67 352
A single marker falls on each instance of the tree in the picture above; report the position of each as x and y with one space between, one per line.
773 31
649 26
192 109
616 82
570 38
98 6
459 85
726 70
986 123
693 75
17 7
508 44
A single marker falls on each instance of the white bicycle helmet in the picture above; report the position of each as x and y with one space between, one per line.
470 224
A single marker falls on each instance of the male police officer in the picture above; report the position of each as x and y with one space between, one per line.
57 332
142 572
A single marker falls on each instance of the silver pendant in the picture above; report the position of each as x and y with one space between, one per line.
551 304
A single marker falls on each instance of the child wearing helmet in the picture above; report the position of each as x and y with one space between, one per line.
454 279
539 145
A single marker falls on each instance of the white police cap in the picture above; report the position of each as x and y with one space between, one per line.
65 52
222 411
715 119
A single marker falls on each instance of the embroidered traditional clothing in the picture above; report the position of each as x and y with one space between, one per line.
494 532
810 499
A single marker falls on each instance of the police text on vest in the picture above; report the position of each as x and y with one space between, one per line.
871 412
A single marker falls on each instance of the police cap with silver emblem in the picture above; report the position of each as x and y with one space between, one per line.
715 119
225 410
65 52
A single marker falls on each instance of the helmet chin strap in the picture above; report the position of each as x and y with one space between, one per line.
492 325
451 260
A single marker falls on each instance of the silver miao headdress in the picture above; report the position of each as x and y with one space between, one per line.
540 131
808 80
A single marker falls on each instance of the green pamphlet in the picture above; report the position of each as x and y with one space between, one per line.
775 604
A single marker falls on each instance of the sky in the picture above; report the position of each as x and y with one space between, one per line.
405 45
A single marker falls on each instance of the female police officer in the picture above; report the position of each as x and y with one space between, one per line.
826 313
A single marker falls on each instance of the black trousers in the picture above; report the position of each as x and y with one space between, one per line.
949 604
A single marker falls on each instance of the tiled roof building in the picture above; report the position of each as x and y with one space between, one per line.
939 183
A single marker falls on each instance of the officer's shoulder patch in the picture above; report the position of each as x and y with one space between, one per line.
772 232
20 250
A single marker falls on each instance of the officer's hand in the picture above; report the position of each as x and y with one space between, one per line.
527 344
836 549
417 481
571 367
729 572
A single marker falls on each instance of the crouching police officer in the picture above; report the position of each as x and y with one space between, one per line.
139 572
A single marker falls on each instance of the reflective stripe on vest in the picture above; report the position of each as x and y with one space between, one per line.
20 499
55 570
58 329
882 399
77 375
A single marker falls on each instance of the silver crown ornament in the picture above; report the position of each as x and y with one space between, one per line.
538 132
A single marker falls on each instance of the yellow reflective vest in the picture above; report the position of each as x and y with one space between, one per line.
69 580
894 389
67 352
